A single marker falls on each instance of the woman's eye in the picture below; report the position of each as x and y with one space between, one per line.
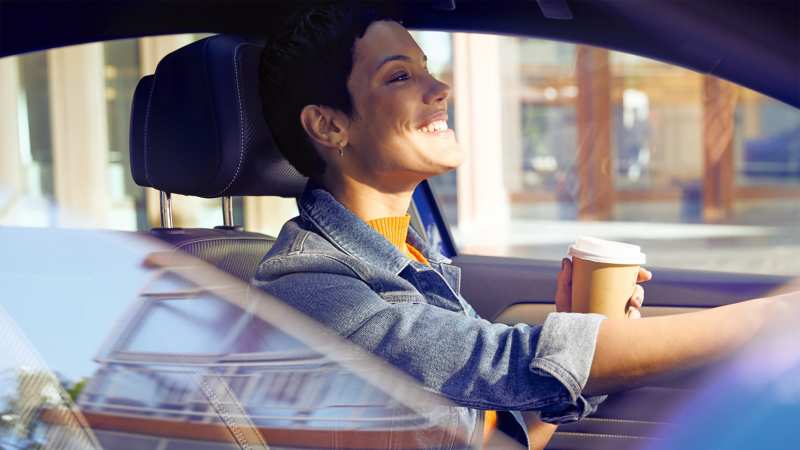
399 77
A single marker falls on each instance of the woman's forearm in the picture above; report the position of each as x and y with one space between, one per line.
631 353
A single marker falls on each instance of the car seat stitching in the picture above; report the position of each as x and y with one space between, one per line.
146 121
598 435
645 422
198 240
241 118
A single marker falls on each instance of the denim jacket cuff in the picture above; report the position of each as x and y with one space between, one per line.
565 352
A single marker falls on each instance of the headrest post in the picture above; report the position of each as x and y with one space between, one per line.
166 209
227 211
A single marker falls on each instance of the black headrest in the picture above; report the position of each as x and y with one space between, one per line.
197 126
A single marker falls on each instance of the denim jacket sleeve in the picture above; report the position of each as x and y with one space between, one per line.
467 359
550 344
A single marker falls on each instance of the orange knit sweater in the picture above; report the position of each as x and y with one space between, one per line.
395 230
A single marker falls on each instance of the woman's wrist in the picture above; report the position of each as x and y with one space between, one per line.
781 308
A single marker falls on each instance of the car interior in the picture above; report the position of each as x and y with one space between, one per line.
200 115
197 130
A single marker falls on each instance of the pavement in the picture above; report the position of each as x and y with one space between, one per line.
758 237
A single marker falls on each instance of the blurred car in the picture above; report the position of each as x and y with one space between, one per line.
197 360
775 156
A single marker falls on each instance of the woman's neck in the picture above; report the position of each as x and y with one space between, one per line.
367 201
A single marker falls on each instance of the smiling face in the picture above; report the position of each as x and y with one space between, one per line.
400 135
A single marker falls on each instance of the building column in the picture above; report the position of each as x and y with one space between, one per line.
268 214
482 197
719 106
11 182
595 179
79 124
512 114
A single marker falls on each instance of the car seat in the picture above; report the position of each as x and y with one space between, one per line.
197 129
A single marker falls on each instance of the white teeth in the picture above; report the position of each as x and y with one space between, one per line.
439 125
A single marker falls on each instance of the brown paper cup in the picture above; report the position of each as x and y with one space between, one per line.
602 288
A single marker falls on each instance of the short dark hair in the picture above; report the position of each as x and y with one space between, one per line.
308 61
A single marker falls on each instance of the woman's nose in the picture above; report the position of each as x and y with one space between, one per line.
437 92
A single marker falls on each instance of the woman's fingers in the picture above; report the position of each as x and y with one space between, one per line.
638 297
564 292
636 302
644 275
565 276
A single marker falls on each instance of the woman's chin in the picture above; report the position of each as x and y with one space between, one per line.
456 156
448 158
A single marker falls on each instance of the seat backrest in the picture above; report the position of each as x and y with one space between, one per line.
236 252
197 129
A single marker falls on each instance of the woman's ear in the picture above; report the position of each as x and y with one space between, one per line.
322 126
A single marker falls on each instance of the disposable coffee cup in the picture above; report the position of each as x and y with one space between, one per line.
604 275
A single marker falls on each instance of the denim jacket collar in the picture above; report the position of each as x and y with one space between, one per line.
352 235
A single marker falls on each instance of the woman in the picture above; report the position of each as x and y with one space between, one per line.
350 103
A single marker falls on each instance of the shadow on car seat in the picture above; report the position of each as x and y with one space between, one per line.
197 129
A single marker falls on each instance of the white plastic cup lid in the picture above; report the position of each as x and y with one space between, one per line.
608 252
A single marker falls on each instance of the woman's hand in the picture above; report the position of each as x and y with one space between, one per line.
564 293
638 294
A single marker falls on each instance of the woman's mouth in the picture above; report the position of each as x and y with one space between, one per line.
437 125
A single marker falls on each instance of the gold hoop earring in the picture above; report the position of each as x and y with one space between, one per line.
341 152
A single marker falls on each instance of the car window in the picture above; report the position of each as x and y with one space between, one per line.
85 321
64 149
107 340
566 140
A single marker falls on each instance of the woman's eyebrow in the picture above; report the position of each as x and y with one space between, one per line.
398 58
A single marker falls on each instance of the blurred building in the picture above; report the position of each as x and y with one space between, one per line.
64 143
559 132
578 136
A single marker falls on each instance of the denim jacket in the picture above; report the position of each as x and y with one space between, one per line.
333 267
